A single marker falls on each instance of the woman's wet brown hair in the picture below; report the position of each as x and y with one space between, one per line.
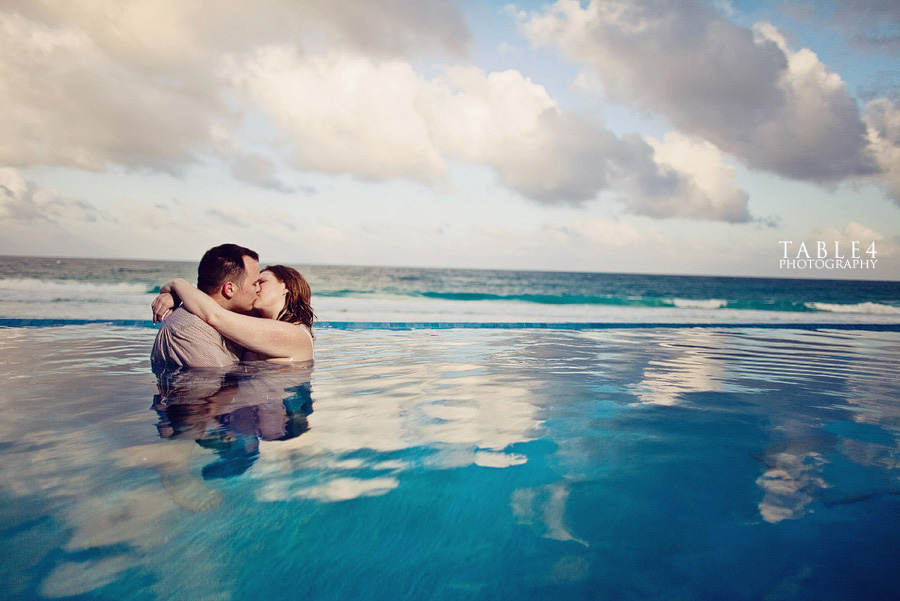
297 308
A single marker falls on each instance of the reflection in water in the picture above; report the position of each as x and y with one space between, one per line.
799 466
815 452
544 509
792 480
681 368
375 423
227 412
621 464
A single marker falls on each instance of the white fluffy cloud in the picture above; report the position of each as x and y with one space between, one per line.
713 192
161 86
883 121
745 91
65 102
89 83
816 133
342 113
510 123
24 201
381 120
181 35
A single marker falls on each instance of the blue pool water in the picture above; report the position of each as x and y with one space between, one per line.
616 463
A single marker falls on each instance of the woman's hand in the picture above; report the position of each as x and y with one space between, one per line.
162 305
164 302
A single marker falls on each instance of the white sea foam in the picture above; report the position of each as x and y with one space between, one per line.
406 309
686 303
861 308
31 298
68 288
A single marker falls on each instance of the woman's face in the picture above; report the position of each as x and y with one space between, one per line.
270 300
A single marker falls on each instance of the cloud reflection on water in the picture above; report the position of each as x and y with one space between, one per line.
810 368
373 422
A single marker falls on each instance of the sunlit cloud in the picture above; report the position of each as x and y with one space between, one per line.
882 119
743 90
713 192
372 116
139 84
89 110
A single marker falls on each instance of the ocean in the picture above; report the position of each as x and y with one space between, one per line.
462 434
65 288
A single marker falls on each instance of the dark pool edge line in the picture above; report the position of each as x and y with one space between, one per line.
384 325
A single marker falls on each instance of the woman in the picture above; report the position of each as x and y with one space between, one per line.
283 330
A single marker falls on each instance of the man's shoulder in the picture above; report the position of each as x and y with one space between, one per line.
182 317
186 340
184 324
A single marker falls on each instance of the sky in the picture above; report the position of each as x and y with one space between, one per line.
728 137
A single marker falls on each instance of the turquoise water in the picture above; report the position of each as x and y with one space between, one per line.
66 288
619 463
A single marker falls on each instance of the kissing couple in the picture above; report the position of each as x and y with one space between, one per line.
235 313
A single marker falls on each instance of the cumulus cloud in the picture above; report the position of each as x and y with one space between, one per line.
343 113
179 34
713 192
745 91
162 85
505 120
85 110
25 201
380 120
137 84
817 133
510 123
882 118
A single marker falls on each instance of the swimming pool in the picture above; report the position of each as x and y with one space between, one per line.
621 463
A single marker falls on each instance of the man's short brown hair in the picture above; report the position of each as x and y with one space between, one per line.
223 263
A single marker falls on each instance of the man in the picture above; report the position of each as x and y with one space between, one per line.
229 274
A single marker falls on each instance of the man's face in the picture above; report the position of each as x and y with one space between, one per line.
248 288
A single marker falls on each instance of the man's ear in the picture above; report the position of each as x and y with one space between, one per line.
228 290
